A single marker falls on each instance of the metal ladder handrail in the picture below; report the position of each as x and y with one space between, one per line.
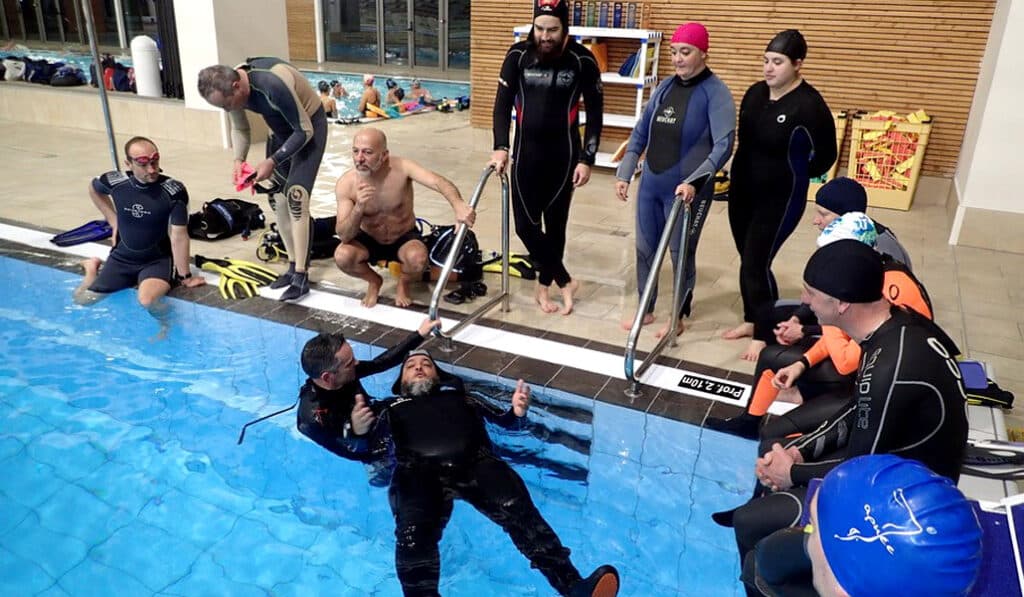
456 248
633 375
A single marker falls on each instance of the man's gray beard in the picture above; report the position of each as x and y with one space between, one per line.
419 388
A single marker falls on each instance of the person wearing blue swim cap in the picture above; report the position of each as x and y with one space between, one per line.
883 525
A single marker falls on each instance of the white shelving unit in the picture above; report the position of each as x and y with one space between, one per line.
646 40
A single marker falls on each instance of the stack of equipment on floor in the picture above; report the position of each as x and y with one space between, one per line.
238 278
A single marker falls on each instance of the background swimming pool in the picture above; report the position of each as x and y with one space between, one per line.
352 82
122 476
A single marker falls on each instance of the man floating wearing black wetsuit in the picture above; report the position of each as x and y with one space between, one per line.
140 206
334 388
543 79
442 452
295 116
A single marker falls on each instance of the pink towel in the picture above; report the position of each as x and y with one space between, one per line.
242 181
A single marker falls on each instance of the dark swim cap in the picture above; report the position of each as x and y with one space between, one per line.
890 526
789 43
552 8
390 83
323 86
848 270
842 195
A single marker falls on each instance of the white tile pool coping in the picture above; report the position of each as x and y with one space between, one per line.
985 423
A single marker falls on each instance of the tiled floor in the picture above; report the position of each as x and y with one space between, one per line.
976 293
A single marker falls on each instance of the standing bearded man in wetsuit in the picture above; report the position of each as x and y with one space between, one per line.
295 116
140 205
442 451
543 79
908 397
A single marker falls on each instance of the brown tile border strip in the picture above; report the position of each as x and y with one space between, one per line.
656 401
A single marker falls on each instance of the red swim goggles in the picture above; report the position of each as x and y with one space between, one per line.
144 160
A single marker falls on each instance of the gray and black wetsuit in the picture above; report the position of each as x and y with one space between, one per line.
292 110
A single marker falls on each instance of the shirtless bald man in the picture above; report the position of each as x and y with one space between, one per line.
375 214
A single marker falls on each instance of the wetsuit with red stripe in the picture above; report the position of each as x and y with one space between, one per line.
545 95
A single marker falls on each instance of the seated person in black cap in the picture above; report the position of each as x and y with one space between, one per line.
843 195
908 398
787 322
443 452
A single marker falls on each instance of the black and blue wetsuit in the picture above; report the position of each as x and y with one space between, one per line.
443 452
324 416
908 400
687 131
143 211
292 110
545 95
782 144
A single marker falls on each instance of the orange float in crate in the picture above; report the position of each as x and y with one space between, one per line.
886 151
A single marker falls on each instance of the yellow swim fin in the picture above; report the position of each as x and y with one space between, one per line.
232 288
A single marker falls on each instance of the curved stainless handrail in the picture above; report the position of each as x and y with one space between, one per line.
449 264
633 376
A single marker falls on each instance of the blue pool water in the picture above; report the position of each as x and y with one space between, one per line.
122 475
353 83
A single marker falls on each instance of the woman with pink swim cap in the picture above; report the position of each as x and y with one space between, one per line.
687 132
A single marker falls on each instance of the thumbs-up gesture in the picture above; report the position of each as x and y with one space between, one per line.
521 399
362 416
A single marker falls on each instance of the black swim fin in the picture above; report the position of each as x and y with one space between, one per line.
89 232
993 459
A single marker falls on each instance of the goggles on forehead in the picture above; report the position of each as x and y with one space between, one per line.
145 160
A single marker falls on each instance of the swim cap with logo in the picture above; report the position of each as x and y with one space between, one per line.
891 526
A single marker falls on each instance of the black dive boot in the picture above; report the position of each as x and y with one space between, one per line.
284 279
745 425
298 288
602 582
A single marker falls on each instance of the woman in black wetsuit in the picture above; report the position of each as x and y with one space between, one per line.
786 136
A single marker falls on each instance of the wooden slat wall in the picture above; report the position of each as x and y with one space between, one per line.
301 29
866 55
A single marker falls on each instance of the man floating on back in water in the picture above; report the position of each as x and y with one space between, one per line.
442 451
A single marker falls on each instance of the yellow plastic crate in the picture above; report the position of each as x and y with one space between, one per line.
885 157
840 121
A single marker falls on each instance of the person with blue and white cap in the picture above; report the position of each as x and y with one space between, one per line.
883 525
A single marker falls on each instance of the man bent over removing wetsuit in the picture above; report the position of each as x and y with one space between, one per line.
295 116
442 452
